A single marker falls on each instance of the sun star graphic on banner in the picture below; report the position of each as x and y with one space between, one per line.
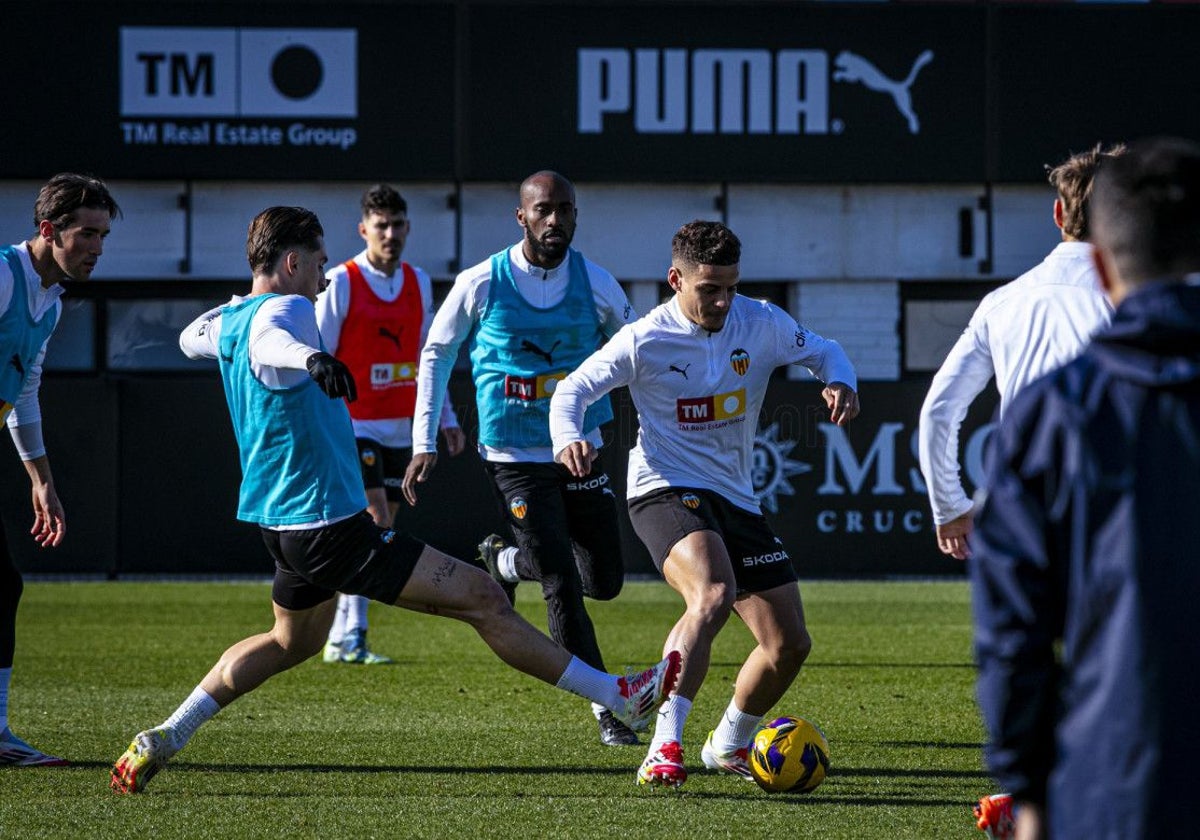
771 470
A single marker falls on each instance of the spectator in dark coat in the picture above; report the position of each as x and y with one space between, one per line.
1086 575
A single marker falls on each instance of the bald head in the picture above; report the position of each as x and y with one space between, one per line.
547 215
545 179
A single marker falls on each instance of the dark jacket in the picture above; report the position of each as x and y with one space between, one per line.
1090 536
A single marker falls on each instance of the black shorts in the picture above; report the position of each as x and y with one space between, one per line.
354 556
383 466
663 517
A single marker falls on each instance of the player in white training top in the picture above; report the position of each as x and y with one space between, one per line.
1021 331
697 368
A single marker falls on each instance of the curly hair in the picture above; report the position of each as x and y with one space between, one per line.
705 243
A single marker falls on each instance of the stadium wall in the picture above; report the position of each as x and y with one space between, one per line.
882 164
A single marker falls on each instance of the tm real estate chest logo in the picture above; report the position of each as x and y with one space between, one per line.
734 91
238 87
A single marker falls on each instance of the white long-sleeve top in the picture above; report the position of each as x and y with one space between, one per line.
1019 332
459 314
698 394
25 419
333 305
283 334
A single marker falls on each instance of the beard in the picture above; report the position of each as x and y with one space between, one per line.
548 251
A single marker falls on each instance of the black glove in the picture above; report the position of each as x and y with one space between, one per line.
333 377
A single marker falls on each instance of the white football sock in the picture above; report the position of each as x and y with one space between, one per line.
356 612
337 630
735 729
592 683
671 718
506 564
193 712
5 676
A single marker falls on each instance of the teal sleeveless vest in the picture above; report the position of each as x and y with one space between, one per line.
21 337
299 462
519 353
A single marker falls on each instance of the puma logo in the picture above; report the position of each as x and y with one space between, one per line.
15 361
681 370
538 351
384 332
851 67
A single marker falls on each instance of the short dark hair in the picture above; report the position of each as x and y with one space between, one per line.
275 230
65 193
384 200
1072 180
1146 209
706 243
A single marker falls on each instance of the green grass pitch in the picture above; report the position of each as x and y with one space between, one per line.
449 743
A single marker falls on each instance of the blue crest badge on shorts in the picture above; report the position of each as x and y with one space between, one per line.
518 507
739 360
690 500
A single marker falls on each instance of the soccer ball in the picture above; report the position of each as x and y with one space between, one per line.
789 755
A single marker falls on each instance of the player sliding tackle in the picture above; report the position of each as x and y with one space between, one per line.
691 499
301 484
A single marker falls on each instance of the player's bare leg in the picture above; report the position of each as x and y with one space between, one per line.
442 585
776 618
698 568
295 636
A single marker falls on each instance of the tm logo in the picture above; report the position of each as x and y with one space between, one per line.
213 72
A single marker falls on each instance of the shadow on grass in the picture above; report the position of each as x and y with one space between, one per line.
901 773
376 769
906 666
908 745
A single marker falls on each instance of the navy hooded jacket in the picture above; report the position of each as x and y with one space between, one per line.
1086 580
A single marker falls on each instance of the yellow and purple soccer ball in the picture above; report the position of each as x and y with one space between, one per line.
789 755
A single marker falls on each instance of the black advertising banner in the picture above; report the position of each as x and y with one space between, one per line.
229 91
771 92
805 92
851 501
1068 78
